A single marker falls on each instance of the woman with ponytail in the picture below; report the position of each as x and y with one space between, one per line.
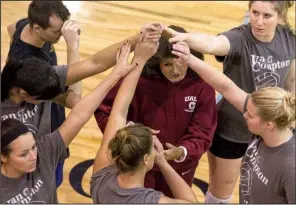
267 173
127 153
256 55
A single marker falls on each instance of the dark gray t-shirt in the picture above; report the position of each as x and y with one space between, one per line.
40 185
268 173
105 189
252 64
36 117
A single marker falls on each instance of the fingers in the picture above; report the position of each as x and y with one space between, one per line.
157 144
131 67
154 131
179 54
124 51
71 25
168 32
169 145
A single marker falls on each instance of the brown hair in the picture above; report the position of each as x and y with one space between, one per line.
7 126
164 50
275 104
281 7
130 145
39 12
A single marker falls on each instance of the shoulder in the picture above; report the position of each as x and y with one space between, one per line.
286 34
49 141
22 22
104 172
102 176
237 31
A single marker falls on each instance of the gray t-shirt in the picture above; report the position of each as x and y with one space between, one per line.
105 189
40 185
268 173
252 64
36 117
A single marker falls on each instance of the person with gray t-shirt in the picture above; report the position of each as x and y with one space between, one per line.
35 116
268 166
28 165
256 55
27 85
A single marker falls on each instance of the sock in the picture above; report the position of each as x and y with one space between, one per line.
210 199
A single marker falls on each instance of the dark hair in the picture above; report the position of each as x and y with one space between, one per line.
151 68
130 145
281 7
7 126
34 76
39 12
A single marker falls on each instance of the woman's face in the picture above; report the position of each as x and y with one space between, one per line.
255 123
174 69
263 19
23 156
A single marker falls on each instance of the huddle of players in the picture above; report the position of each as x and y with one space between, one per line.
181 115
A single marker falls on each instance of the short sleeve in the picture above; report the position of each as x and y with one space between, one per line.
62 71
236 39
152 197
21 22
52 148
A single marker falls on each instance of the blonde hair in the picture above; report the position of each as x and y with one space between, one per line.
129 146
275 104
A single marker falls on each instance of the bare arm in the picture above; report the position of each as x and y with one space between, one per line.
85 108
105 58
290 80
214 45
213 77
11 29
121 103
71 32
180 189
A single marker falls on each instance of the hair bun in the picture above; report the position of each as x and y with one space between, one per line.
290 99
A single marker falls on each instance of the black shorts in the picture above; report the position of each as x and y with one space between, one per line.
226 149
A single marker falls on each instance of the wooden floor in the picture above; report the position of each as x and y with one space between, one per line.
104 23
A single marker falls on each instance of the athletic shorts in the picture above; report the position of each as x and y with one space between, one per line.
226 149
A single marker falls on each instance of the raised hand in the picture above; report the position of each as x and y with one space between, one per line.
122 68
71 33
182 50
174 36
159 152
151 31
145 49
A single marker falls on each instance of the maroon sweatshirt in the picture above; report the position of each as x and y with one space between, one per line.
184 112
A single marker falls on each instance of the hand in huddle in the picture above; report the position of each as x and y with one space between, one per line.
145 49
122 67
174 36
172 152
159 152
182 50
151 31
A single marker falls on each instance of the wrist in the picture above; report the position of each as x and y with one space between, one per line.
114 76
140 60
183 156
163 164
72 47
